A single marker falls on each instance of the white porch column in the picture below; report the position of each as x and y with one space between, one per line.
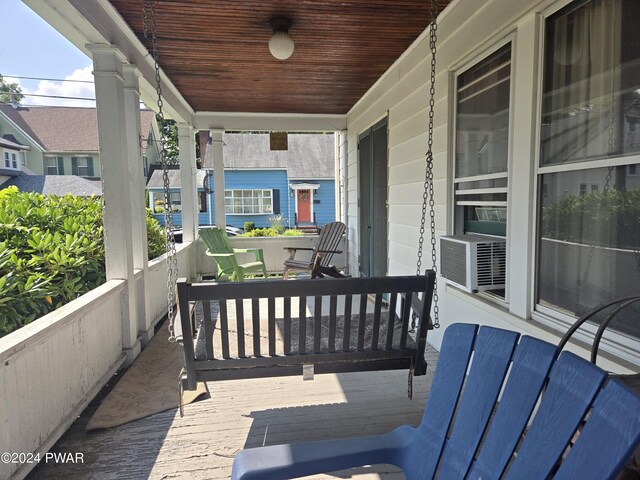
188 188
138 201
116 185
343 180
218 177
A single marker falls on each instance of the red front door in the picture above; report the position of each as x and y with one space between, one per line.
304 206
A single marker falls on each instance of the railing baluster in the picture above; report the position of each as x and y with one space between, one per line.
224 328
317 324
375 331
362 321
302 329
287 325
240 323
272 326
208 328
255 317
346 334
406 313
333 306
393 302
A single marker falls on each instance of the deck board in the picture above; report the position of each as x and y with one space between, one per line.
244 414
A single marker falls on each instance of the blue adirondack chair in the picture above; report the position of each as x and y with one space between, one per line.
453 447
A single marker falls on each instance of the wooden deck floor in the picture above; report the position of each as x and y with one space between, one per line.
244 414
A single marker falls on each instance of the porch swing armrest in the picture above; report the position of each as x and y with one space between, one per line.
298 248
329 251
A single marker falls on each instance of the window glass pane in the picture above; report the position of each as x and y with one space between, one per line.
482 122
7 163
482 145
248 201
591 99
589 250
51 165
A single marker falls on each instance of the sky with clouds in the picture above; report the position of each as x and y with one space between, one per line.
29 47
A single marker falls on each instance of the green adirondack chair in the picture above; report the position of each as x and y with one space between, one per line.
224 255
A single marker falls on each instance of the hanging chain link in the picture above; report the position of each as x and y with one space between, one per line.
427 194
149 15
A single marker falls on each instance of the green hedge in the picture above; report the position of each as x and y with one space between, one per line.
51 252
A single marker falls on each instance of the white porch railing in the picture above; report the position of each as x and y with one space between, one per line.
52 368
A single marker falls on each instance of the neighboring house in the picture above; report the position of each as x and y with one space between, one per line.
64 140
297 183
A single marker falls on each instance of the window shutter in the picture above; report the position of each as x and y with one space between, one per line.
74 165
90 166
60 166
276 201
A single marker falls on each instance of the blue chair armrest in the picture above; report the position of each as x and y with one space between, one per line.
308 458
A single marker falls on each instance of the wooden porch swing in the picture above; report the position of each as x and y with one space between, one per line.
275 328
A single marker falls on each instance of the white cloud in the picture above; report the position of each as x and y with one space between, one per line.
62 89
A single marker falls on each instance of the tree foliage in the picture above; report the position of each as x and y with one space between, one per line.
169 131
10 92
51 252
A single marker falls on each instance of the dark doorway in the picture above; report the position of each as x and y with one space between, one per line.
372 176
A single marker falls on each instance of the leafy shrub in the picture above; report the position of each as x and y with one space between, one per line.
248 226
260 232
51 252
292 232
156 237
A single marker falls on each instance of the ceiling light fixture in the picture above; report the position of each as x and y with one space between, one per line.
280 43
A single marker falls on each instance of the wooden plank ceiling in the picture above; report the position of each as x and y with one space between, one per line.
216 52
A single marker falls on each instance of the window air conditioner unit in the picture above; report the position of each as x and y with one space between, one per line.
474 262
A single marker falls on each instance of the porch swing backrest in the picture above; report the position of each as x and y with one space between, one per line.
264 329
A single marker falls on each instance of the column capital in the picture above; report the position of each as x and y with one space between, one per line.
106 49
185 130
131 76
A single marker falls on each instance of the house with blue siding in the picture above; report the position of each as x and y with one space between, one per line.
297 183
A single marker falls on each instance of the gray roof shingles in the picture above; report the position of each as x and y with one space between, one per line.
157 181
63 129
309 157
55 185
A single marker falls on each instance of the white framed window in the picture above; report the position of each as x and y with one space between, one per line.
248 202
482 126
83 168
11 160
588 243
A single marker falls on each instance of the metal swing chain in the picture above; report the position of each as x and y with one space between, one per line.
172 261
427 194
